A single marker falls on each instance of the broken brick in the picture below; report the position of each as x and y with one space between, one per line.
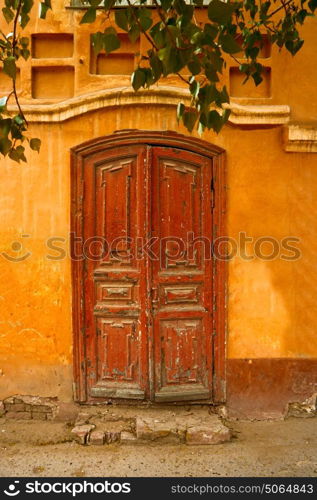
112 436
96 438
81 433
214 433
127 438
18 415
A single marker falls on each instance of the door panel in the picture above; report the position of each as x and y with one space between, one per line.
147 314
182 276
115 280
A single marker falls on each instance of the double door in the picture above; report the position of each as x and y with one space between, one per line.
147 274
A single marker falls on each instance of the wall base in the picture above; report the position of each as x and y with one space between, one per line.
263 388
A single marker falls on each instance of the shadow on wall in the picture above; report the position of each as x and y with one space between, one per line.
272 313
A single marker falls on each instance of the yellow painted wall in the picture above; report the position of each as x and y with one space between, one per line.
271 304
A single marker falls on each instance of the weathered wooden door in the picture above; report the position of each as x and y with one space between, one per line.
146 280
181 281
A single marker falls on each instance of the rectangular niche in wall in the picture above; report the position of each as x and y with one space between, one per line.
52 82
249 90
6 82
119 62
114 64
52 45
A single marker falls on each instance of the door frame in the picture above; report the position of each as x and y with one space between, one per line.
155 138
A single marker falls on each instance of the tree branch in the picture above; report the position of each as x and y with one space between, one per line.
14 42
279 8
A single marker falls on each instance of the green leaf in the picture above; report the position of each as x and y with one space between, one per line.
121 19
8 14
252 52
35 144
156 66
171 59
158 35
134 33
24 20
5 146
189 119
187 15
44 9
89 17
264 8
138 79
166 4
198 38
194 67
216 60
221 12
5 127
180 110
27 6
24 41
294 46
229 45
18 120
97 41
164 53
225 115
211 30
194 88
211 73
25 54
224 96
145 21
111 42
9 67
257 78
214 121
108 4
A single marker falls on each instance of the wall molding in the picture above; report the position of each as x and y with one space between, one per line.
161 95
300 138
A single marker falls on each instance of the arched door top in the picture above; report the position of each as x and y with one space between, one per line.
131 137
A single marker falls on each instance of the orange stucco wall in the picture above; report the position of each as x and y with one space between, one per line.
271 304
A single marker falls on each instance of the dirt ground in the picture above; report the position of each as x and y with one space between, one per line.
271 448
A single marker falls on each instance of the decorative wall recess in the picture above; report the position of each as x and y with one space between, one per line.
121 62
249 89
49 45
114 64
52 82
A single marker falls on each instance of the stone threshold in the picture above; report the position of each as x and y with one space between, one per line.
158 426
